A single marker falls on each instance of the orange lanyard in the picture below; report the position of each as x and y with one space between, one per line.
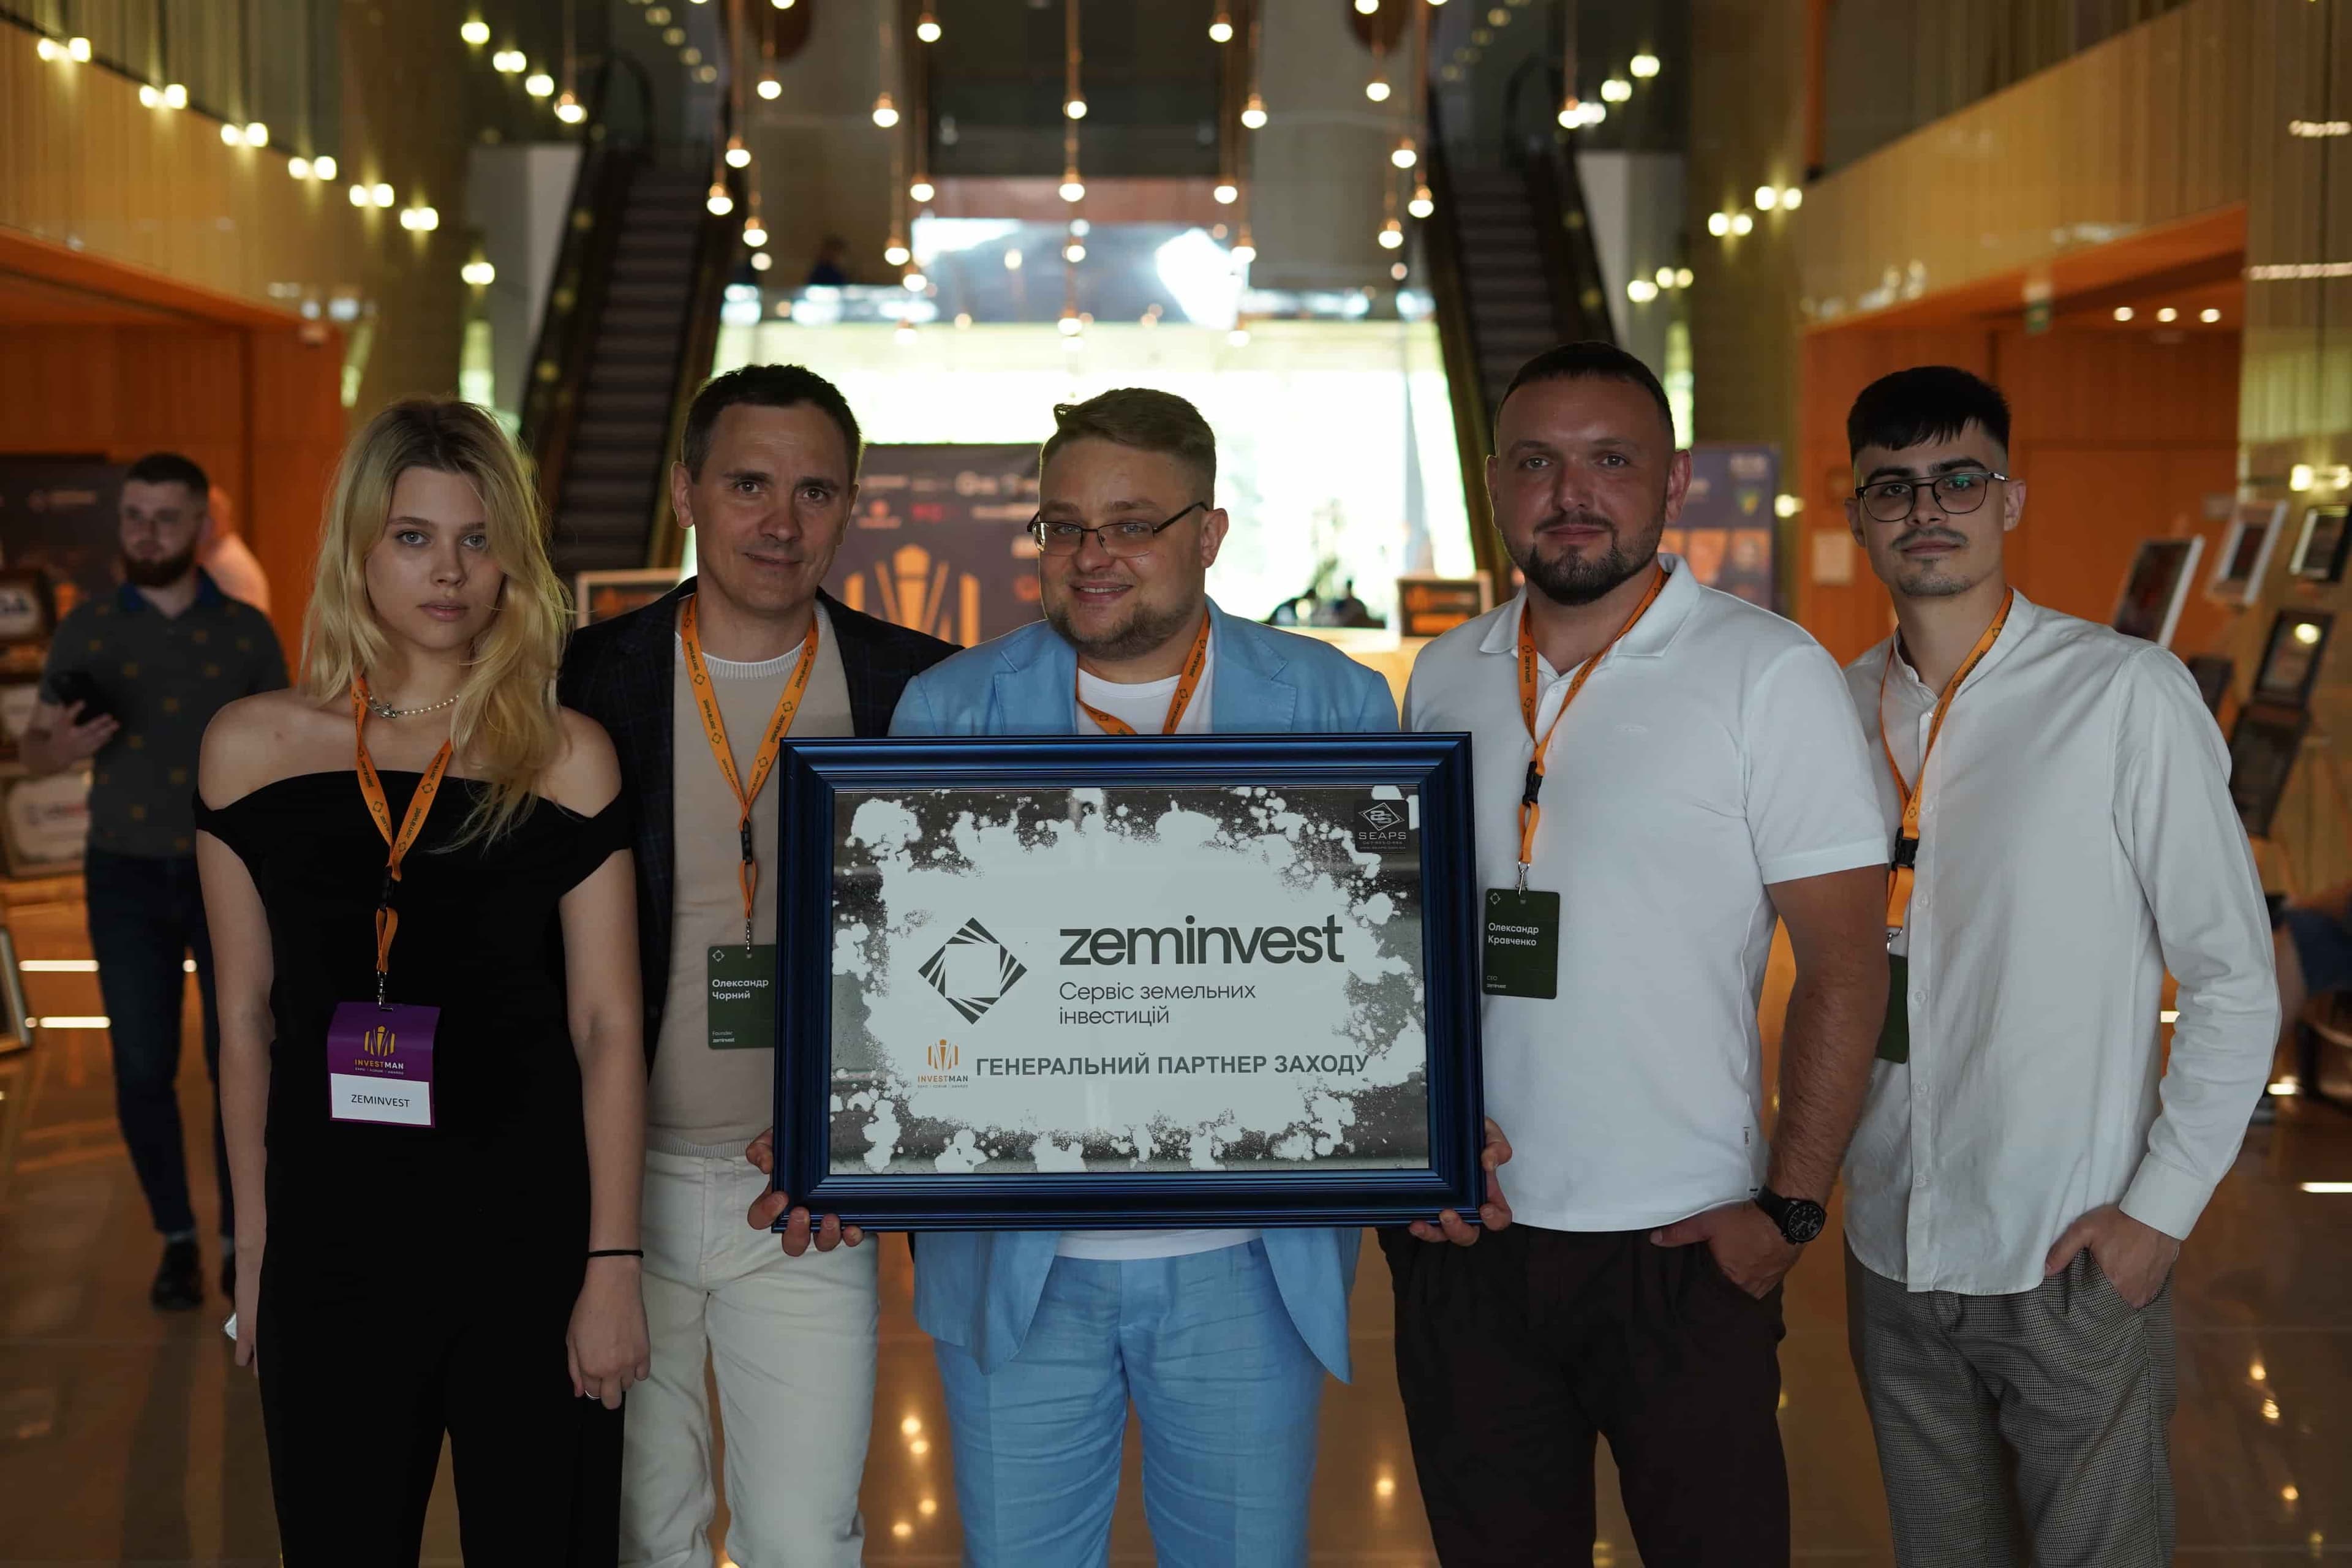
1186 684
420 805
714 730
1900 874
1531 699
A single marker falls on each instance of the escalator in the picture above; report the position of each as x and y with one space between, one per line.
632 322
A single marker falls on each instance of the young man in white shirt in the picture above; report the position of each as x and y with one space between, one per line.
2028 1163
1699 775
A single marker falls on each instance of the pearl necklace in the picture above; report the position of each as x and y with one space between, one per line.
384 710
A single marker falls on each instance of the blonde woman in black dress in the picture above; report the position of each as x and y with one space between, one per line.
417 869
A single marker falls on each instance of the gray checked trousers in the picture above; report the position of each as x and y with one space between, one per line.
2018 1429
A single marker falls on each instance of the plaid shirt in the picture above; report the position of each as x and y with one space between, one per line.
621 672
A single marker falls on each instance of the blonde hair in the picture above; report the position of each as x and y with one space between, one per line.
507 726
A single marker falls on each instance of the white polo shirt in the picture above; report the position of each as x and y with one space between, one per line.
1712 753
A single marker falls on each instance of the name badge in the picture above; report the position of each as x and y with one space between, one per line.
380 1063
1522 943
742 997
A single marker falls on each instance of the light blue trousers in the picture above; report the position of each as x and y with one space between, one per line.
1226 1390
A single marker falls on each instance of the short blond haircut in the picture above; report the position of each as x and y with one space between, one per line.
507 724
1145 419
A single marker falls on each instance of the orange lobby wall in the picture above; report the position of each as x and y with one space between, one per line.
2117 436
260 410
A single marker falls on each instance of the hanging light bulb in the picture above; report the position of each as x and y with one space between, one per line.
719 202
174 96
886 113
1422 204
1073 188
381 193
1367 7
476 31
1076 108
926 26
755 233
896 253
915 282
358 195
47 49
1074 253
738 155
299 167
323 166
539 84
1070 326
1616 89
1244 249
568 108
1253 113
770 88
148 97
922 190
1377 90
478 272
257 134
1226 192
761 261
1221 27
1392 235
78 48
1405 154
1644 64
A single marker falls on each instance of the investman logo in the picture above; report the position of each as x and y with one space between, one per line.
379 1041
974 971
1382 825
943 1057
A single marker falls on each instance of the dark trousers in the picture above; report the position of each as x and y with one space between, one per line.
364 1369
1515 1354
146 919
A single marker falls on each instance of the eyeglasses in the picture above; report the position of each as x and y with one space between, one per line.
1892 501
1120 540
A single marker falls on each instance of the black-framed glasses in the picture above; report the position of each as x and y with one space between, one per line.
1122 540
1892 501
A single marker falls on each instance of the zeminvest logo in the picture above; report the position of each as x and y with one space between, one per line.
974 971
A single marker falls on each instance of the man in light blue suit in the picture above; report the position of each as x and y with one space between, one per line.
1219 1337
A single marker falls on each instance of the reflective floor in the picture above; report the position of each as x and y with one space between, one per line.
126 1435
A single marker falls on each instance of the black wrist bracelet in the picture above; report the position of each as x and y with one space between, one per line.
637 1253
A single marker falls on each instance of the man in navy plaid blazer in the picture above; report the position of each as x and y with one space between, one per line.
766 478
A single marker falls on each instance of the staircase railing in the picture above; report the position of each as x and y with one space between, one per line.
718 244
1546 161
1457 339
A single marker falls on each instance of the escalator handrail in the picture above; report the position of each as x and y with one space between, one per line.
1545 161
718 243
1464 389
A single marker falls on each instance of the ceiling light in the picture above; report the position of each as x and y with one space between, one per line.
425 219
1253 113
1404 155
174 96
921 191
2124 312
705 73
231 136
761 261
886 113
2299 477
1013 261
2326 1187
1643 65
257 134
1422 204
896 253
1787 505
1616 89
1767 198
299 167
1719 224
78 48
1741 222
755 233
507 61
1226 192
2208 315
478 273
476 31
1392 235
1073 188
148 97
1074 253
1365 7
1221 29
47 47
1377 90
926 28
738 155
381 193
769 88
539 84
1682 277
1398 271
358 195
915 282
1792 198
1076 108
781 5
719 202
1665 276
1641 291
2168 314
568 108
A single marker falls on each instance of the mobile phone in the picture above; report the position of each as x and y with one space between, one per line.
68 686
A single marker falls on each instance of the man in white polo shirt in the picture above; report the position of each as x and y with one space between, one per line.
1698 774
2028 1161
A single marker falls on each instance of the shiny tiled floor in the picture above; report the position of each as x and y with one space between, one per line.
127 1436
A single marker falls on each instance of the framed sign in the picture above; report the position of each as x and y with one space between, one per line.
1432 606
2156 587
2319 552
2246 552
607 595
2263 745
2290 666
1036 983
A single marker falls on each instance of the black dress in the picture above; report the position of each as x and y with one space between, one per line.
418 1280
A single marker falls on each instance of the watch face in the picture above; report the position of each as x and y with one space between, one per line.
1803 1220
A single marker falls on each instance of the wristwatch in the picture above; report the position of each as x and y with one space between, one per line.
1800 1219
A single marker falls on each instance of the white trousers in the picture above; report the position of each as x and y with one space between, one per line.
791 1343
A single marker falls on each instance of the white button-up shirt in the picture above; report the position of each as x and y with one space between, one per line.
1711 754
2076 841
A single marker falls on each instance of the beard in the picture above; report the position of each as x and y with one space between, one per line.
159 571
1145 628
1571 579
1930 579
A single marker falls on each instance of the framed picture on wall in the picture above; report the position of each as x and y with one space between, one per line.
2319 553
2156 587
2290 666
2254 527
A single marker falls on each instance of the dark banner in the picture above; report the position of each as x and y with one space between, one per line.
1726 526
58 517
939 540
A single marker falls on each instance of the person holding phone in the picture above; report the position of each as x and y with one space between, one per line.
131 681
417 868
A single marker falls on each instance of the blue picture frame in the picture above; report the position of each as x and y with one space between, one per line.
1437 765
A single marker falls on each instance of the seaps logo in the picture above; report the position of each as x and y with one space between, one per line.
974 971
1382 825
